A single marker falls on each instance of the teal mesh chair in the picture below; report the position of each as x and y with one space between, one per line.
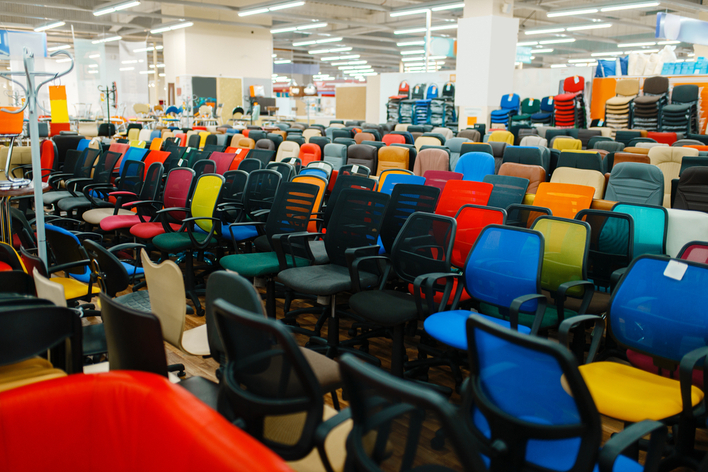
650 225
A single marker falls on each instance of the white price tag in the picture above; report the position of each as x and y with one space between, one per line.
675 270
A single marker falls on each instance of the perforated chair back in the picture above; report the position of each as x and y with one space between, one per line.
507 190
471 220
249 165
285 169
611 243
406 200
204 199
651 224
344 182
462 192
696 251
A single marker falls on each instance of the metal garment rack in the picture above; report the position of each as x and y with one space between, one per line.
31 93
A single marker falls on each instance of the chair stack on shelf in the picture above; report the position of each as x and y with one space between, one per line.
509 107
617 109
646 108
422 112
682 115
570 106
545 116
438 111
405 111
392 108
529 107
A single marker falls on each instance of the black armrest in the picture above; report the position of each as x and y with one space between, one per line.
243 223
620 442
282 244
561 296
516 307
427 281
688 363
68 265
323 431
355 256
567 325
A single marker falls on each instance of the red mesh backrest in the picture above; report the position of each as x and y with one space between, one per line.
182 138
47 158
240 154
176 193
439 178
223 161
121 149
462 192
156 156
471 220
310 153
696 253
393 139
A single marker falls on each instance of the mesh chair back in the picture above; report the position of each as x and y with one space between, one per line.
611 243
292 208
471 220
260 190
204 200
131 177
650 227
345 182
85 163
392 180
204 166
695 251
223 161
355 222
461 192
505 263
406 199
517 396
287 171
249 165
507 190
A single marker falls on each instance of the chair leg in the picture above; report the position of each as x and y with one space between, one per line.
399 351
270 298
190 284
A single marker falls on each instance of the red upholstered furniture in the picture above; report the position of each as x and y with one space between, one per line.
141 420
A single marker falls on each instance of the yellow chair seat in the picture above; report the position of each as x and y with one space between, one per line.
74 288
27 372
633 395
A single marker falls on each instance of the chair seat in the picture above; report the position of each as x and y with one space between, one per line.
139 300
259 264
177 242
325 369
645 362
195 341
150 230
75 289
619 101
647 99
50 198
630 394
327 279
449 327
73 203
98 216
27 372
550 316
239 232
384 307
565 97
521 117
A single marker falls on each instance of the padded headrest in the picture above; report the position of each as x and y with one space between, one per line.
572 175
523 155
684 93
470 135
620 157
335 150
455 144
289 146
661 155
391 153
633 182
365 137
580 160
433 154
501 136
266 144
535 174
362 152
656 85
477 147
534 141
627 87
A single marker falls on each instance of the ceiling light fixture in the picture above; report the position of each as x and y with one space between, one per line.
171 27
582 11
149 49
114 7
49 26
307 26
93 65
636 45
423 30
106 40
527 43
125 69
558 66
589 27
417 11
93 72
541 51
317 41
417 58
451 6
575 61
282 61
600 54
57 48
94 56
630 6
642 51
410 43
339 58
326 51
280 6
557 41
545 31
412 51
663 43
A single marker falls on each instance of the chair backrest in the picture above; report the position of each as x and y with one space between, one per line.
504 264
286 170
510 101
470 135
508 190
590 178
292 208
471 220
260 190
462 192
249 165
355 222
666 310
523 155
309 153
48 290
406 199
387 185
696 251
567 143
204 199
535 174
580 160
620 157
650 227
392 157
535 141
632 182
166 287
287 149
656 85
439 178
564 200
335 154
265 144
525 390
363 155
684 226
686 93
134 338
501 137
393 138
611 243
612 146
107 269
66 248
223 161
431 159
668 160
359 137
475 166
691 191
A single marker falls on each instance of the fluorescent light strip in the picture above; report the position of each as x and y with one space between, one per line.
93 65
339 58
557 41
589 27
94 56
143 72
408 12
160 75
636 45
407 59
281 6
107 40
57 48
541 51
545 31
662 43
423 30
133 61
527 43
600 54
125 69
452 6
412 51
172 27
116 7
298 28
558 66
574 61
317 41
584 11
149 49
642 51
410 43
282 61
49 26
93 72
630 6
327 51
63 60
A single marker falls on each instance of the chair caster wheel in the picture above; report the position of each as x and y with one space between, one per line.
182 374
438 442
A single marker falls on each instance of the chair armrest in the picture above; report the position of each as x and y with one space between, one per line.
323 430
258 225
353 253
166 210
629 437
122 193
616 276
259 213
88 235
162 216
427 281
354 271
124 246
516 307
561 296
281 241
688 363
68 265
570 323
189 223
138 203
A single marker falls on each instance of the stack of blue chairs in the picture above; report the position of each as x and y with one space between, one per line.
509 107
545 116
422 112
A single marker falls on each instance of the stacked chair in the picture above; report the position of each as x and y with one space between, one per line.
618 108
646 109
682 115
545 115
529 107
422 111
570 106
509 107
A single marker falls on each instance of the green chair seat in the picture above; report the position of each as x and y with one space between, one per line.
524 117
550 316
176 242
258 264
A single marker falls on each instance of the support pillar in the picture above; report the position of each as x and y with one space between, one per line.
486 44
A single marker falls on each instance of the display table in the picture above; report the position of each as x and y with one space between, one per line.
5 214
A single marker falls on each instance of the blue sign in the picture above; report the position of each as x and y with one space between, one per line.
4 43
523 54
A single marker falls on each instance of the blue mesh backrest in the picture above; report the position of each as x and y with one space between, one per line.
510 101
658 315
650 224
394 179
83 144
504 264
314 171
475 165
133 154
